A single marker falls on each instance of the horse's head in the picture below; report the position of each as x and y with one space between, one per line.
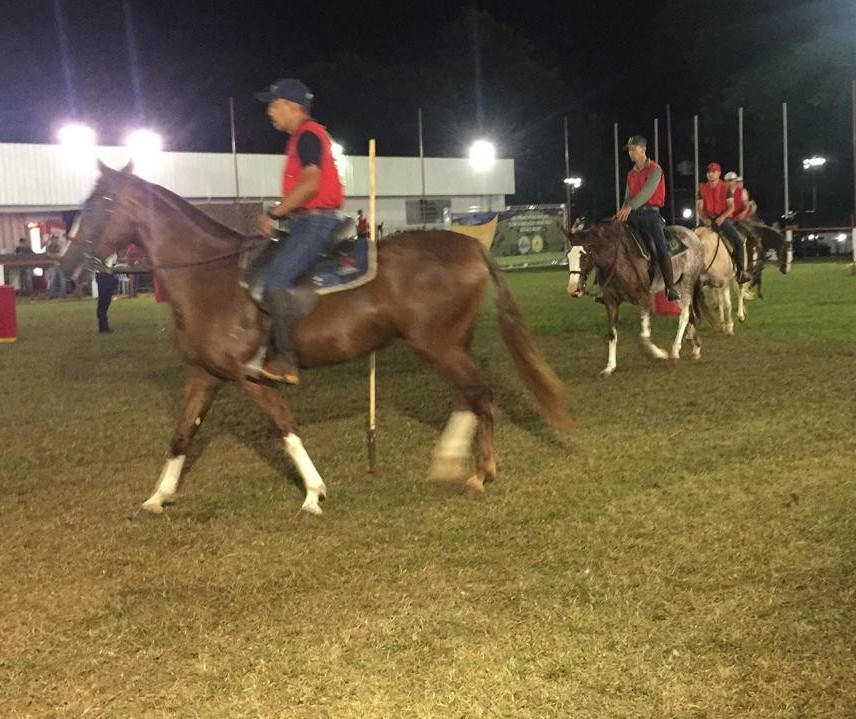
773 239
101 227
579 257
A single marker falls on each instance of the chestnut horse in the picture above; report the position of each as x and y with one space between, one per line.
427 291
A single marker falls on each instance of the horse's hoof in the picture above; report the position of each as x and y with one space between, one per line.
474 487
310 510
447 469
607 371
153 506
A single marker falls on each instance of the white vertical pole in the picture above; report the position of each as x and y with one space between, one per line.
372 428
617 187
785 154
853 146
740 141
697 168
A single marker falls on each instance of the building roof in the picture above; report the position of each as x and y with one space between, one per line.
49 177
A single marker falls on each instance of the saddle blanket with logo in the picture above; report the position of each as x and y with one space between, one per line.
673 243
350 263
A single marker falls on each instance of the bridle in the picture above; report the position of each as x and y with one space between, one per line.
95 264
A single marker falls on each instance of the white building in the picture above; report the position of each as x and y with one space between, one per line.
41 184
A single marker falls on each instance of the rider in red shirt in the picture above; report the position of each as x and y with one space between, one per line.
362 225
311 195
715 204
644 196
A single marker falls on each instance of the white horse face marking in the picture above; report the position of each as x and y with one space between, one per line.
574 263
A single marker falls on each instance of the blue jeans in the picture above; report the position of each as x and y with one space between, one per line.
55 281
647 219
730 231
308 236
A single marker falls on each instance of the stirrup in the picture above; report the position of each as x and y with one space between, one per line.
672 294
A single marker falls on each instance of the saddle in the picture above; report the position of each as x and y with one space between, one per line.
645 242
351 261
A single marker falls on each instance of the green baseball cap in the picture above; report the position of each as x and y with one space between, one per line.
636 140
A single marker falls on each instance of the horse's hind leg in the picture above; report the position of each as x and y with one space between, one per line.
200 388
645 333
461 372
275 407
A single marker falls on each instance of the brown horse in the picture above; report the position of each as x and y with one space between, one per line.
427 290
623 275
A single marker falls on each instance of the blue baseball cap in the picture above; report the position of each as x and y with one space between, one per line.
288 88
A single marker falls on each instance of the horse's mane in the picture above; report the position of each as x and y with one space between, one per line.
193 213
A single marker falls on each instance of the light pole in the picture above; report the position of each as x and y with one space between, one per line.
572 184
482 158
813 165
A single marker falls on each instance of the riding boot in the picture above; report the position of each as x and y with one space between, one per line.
665 264
742 275
280 364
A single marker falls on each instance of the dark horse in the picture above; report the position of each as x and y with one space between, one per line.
623 274
769 239
427 290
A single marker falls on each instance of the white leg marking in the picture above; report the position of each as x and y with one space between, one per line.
610 363
452 451
312 482
683 321
167 484
741 314
645 334
646 324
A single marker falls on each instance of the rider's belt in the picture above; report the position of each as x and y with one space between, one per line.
304 212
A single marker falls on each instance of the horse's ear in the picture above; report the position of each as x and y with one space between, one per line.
102 168
129 168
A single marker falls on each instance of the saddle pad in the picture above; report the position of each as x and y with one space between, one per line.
348 264
673 242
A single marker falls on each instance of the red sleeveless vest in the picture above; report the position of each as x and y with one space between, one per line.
714 199
738 200
330 194
636 181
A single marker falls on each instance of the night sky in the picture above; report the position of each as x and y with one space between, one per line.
510 71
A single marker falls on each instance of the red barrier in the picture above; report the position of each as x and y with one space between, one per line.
662 306
8 317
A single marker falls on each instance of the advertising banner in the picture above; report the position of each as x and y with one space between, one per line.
526 235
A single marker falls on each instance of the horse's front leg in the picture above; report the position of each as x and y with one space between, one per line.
611 336
275 407
741 312
200 388
683 321
645 333
727 308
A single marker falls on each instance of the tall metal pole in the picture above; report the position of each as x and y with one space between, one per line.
657 140
696 168
853 141
785 154
740 141
569 210
671 161
789 235
372 425
234 154
617 187
421 154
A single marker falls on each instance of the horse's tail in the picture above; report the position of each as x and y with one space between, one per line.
699 307
547 389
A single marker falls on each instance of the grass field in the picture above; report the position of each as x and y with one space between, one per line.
688 550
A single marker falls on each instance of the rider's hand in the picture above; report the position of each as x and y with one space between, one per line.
266 226
623 213
719 220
